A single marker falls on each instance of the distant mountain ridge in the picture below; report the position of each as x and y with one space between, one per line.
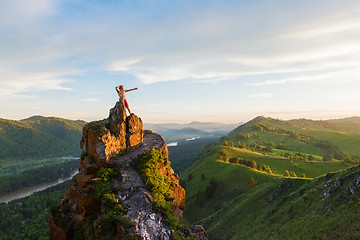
204 126
39 136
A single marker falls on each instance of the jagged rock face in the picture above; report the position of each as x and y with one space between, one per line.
104 144
104 139
118 113
117 121
100 143
134 128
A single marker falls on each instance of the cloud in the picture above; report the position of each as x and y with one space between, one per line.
339 25
226 42
123 65
17 13
90 100
260 95
233 50
347 97
12 84
341 76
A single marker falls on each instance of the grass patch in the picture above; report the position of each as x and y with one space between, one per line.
159 185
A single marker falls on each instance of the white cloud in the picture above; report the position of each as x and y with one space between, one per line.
347 97
123 65
90 100
338 24
341 76
14 83
234 49
217 46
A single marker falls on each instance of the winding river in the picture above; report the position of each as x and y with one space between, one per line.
5 198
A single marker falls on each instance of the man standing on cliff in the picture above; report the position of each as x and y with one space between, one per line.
121 92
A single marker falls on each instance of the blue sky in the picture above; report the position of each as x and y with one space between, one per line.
223 61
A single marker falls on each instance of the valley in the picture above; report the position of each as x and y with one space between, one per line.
266 178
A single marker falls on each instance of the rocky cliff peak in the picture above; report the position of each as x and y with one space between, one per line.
125 188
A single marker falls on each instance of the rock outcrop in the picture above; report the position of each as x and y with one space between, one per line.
109 198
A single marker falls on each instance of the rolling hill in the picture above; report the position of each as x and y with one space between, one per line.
39 136
231 189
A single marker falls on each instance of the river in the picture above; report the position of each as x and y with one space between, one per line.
30 190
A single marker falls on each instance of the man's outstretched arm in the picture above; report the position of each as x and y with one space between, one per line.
131 89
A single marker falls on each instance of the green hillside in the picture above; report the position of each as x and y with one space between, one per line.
39 136
325 208
312 137
229 187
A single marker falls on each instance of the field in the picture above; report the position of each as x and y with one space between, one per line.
279 164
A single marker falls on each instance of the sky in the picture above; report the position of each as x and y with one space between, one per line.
209 61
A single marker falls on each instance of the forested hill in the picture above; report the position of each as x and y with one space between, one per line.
340 136
39 136
345 125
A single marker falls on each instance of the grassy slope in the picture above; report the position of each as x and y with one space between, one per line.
233 181
344 133
280 164
233 178
185 153
243 213
349 143
294 209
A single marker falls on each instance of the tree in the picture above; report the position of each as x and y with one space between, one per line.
310 157
244 135
251 182
268 149
328 157
226 143
253 164
281 146
234 160
221 156
258 167
287 174
211 188
293 174
347 160
264 167
202 177
190 176
303 175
